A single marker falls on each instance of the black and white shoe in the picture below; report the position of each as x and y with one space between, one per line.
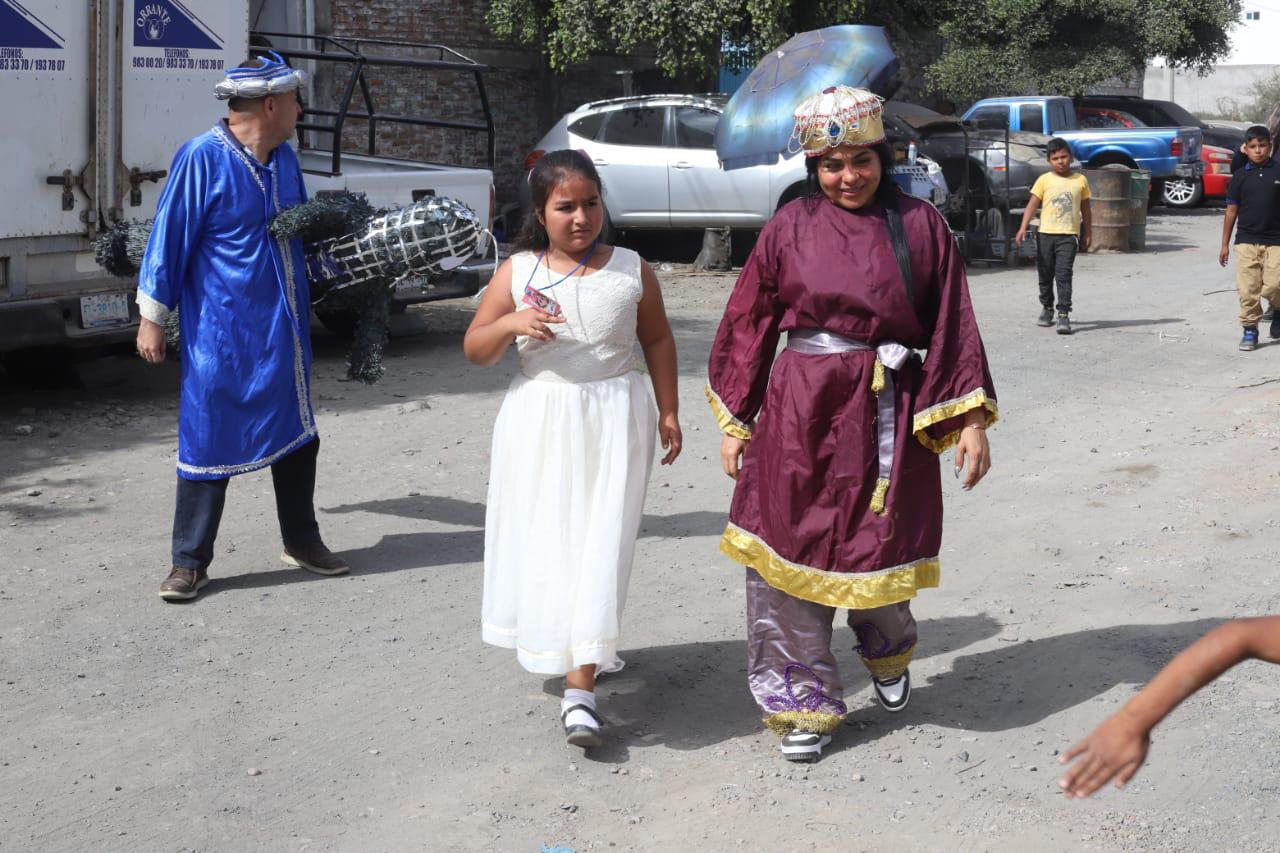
893 694
582 734
799 745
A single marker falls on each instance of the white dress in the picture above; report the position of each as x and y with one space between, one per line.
573 447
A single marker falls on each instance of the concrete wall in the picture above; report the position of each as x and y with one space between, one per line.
1224 90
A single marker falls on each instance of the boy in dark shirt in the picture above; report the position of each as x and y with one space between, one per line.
1253 199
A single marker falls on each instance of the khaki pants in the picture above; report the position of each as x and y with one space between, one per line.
1257 274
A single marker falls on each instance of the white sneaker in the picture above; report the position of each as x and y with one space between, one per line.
799 745
893 695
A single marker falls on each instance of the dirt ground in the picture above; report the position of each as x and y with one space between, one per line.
1131 508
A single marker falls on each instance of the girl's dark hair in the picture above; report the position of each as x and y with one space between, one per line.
551 168
886 193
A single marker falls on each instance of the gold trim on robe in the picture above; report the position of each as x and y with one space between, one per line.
728 424
818 722
950 409
854 590
889 668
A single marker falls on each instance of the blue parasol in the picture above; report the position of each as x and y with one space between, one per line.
757 121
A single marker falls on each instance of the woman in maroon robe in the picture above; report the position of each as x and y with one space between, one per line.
839 497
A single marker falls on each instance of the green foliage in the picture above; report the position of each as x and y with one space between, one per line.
989 46
686 35
1067 46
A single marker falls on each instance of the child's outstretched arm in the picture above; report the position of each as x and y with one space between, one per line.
497 322
659 345
1118 747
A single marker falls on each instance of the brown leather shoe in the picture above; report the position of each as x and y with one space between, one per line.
317 558
183 584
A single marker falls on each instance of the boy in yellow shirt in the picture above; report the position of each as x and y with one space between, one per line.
1064 230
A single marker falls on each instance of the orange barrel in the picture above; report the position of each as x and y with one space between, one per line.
1140 189
1112 205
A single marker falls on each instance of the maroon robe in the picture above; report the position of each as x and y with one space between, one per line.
802 511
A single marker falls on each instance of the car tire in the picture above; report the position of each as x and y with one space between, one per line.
1182 192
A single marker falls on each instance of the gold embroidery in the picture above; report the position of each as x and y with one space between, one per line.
877 497
728 424
860 591
887 669
950 409
877 377
818 722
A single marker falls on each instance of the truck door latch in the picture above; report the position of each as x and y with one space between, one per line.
136 177
69 182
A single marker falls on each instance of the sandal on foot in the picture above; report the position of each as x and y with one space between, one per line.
800 745
580 734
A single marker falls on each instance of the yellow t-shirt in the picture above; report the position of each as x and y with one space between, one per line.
1060 202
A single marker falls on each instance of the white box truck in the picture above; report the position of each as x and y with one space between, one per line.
97 97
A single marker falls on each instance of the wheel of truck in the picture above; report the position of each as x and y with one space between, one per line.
792 193
340 323
1182 192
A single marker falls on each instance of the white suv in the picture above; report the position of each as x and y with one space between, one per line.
656 155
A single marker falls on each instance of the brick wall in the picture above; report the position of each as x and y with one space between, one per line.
524 102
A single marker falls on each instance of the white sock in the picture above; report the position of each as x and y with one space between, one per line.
573 696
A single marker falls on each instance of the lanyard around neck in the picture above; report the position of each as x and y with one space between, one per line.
588 256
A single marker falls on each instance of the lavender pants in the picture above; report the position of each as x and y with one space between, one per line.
783 630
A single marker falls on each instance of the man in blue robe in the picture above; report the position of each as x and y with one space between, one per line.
243 316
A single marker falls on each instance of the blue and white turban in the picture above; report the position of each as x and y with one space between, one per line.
272 77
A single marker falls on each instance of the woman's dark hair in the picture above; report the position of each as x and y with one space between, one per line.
886 193
551 168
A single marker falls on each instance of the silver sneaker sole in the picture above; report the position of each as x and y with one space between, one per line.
805 752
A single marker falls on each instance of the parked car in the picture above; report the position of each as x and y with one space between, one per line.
1153 113
1167 152
656 155
994 179
1176 192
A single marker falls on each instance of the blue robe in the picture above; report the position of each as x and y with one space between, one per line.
243 302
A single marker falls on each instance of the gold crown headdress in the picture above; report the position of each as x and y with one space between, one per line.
839 115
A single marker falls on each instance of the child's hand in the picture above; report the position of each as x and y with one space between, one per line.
1086 238
532 323
1117 748
671 437
1020 236
1223 255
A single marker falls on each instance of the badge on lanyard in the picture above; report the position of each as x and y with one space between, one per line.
535 298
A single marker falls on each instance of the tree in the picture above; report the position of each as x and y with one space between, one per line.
687 36
988 46
1068 46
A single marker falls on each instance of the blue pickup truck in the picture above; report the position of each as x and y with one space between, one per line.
1168 152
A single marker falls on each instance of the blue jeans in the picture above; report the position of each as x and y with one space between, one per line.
198 509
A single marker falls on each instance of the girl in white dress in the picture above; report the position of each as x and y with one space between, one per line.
573 443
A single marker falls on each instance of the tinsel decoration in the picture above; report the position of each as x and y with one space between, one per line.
355 257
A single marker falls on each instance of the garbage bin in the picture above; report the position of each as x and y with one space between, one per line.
1141 190
1112 206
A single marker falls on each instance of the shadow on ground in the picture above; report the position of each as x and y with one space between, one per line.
448 510
694 695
